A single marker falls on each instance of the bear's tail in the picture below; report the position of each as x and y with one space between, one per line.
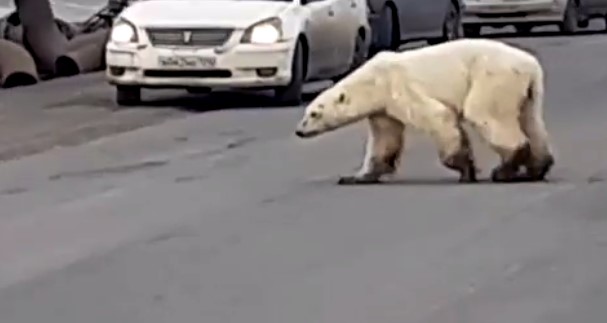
532 119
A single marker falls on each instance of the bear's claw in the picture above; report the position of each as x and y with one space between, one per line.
508 172
501 175
538 172
468 176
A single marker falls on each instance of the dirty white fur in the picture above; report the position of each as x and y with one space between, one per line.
497 88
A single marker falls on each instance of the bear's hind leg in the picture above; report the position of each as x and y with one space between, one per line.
507 139
455 149
542 159
383 151
493 106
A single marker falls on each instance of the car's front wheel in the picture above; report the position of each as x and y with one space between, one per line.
292 93
452 26
360 54
128 95
523 29
472 30
384 35
569 25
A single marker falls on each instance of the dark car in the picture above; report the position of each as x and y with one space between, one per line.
395 22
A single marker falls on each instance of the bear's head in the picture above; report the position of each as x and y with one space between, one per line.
353 98
323 114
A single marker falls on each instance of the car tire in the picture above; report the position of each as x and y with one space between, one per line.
128 95
523 29
384 35
472 31
292 93
452 27
569 25
360 54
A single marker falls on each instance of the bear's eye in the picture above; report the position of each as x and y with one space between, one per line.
314 115
341 98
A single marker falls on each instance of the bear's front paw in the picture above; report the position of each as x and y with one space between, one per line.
353 180
468 176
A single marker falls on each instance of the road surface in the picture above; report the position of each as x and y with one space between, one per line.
161 214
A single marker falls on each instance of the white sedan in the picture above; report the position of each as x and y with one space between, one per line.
255 44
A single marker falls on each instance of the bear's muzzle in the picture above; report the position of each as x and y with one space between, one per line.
305 134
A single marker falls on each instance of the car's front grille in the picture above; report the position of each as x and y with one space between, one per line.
195 37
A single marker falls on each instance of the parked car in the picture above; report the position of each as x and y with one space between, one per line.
396 22
568 15
254 44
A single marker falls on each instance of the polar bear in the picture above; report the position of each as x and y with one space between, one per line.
495 87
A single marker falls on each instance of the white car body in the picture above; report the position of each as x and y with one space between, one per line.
203 39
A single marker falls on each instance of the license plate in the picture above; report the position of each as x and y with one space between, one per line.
191 61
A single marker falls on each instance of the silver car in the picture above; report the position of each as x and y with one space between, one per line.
568 15
395 22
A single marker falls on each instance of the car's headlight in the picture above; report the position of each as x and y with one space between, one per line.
267 31
124 32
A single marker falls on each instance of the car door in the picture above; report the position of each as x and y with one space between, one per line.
322 31
429 16
412 24
346 28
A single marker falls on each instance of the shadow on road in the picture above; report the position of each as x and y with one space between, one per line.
439 181
448 181
178 100
225 100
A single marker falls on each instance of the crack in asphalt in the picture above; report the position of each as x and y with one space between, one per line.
122 169
140 166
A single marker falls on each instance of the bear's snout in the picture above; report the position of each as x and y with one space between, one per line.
300 132
306 134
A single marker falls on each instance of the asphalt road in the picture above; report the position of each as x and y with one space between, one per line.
196 209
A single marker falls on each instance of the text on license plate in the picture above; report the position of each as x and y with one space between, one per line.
187 61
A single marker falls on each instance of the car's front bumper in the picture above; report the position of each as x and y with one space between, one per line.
512 12
235 67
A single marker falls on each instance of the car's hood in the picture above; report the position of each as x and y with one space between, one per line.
202 13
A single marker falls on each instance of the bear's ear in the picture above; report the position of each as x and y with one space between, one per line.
342 98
